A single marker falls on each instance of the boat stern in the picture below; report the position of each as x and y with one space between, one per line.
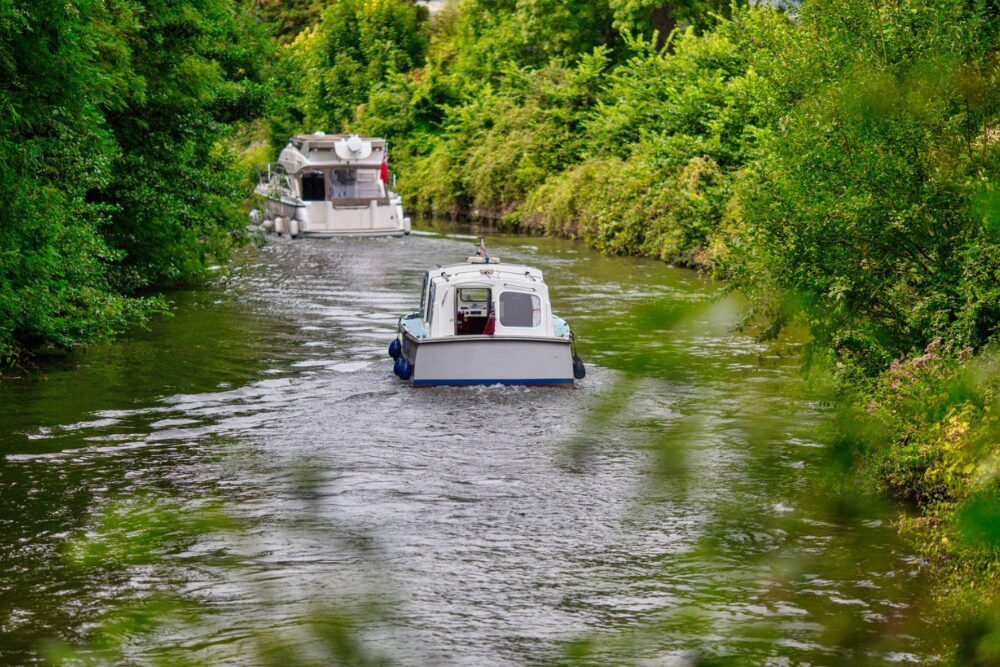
484 360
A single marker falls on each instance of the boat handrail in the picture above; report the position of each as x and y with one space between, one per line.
262 170
267 171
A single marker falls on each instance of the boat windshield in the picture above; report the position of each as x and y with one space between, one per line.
430 303
423 297
474 294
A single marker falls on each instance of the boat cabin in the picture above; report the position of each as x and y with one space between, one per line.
331 185
479 299
345 170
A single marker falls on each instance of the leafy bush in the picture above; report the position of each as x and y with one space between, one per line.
332 66
671 127
663 17
937 415
111 174
289 17
863 201
633 206
504 142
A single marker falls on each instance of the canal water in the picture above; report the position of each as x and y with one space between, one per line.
249 473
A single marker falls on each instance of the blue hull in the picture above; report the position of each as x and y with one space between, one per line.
542 382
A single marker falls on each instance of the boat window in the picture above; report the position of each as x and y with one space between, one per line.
313 187
279 180
356 184
423 295
520 309
430 303
472 310
474 295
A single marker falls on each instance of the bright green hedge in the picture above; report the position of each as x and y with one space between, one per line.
112 174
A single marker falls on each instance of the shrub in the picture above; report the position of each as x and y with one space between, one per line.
864 200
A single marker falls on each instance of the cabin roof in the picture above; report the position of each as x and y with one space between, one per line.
300 140
306 151
488 273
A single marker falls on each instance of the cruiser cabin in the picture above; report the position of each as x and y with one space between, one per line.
331 185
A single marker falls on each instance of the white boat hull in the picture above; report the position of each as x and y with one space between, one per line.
488 360
322 219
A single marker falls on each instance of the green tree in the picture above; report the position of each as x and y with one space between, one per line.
288 18
647 16
873 203
357 46
57 60
114 171
195 69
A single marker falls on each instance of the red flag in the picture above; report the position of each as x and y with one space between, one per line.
385 170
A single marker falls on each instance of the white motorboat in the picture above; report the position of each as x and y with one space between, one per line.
330 185
484 322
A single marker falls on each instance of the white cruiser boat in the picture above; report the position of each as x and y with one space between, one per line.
326 185
482 323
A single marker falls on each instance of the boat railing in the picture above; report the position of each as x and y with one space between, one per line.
266 171
272 177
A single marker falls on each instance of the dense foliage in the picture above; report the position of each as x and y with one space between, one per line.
112 174
332 67
54 147
927 434
287 18
870 202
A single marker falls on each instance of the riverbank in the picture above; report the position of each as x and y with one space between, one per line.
934 443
